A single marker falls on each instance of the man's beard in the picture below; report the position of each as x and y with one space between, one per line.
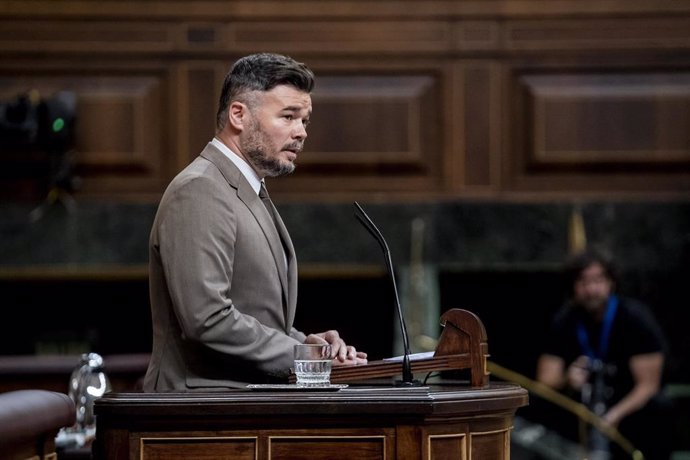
255 147
593 304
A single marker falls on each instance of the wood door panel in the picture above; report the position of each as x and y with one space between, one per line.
342 447
199 448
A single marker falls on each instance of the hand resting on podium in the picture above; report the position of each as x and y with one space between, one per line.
341 353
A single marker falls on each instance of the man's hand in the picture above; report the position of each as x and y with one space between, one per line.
341 353
578 372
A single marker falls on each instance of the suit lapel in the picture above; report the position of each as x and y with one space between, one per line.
273 232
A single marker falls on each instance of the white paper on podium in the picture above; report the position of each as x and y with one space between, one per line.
413 357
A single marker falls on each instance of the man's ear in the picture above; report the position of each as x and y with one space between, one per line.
237 113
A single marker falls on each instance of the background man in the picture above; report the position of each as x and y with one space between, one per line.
608 352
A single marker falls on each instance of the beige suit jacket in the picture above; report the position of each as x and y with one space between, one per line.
222 298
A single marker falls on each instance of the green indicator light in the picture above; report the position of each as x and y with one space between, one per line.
58 124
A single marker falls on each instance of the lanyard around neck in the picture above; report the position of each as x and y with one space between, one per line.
583 337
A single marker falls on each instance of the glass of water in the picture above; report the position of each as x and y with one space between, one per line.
313 364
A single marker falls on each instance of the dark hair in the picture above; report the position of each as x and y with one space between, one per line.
578 262
261 72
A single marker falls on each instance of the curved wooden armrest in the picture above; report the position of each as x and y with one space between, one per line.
30 420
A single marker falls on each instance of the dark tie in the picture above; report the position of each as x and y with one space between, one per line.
266 200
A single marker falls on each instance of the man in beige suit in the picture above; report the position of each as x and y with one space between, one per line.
222 268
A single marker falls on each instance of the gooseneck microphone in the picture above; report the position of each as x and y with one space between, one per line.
407 377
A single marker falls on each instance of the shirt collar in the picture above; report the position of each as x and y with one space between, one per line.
246 170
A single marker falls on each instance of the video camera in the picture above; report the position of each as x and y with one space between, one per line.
30 123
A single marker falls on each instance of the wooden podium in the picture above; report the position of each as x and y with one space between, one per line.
445 419
462 345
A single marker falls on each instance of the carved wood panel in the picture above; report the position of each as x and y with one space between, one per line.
608 129
242 448
371 132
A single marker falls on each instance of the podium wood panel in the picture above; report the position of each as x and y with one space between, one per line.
444 420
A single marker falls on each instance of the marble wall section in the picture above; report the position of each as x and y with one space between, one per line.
498 259
456 235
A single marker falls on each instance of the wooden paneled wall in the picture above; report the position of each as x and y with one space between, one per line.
415 98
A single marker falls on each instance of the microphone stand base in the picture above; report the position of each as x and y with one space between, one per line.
408 384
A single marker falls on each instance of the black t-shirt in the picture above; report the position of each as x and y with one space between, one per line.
634 331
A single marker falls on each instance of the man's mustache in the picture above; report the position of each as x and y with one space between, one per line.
294 147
